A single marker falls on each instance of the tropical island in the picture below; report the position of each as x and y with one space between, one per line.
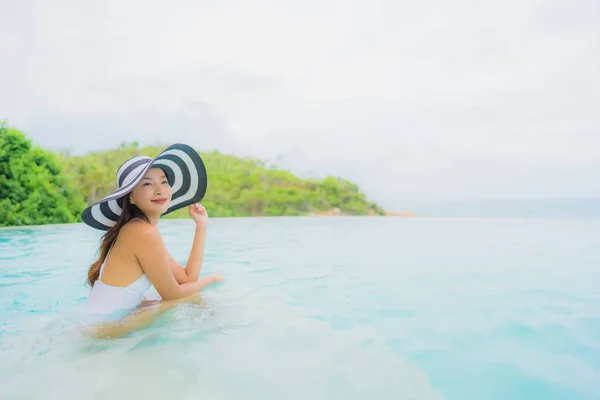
39 186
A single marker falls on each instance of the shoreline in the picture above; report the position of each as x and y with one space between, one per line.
421 217
315 215
336 213
394 215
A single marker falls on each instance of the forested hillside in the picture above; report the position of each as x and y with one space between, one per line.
236 186
38 186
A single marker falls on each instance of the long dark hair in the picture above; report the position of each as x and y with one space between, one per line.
130 211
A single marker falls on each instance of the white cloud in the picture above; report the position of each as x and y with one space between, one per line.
443 99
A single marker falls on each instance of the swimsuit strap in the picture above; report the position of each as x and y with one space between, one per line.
106 258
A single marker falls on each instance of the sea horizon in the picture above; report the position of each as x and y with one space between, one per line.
554 208
550 208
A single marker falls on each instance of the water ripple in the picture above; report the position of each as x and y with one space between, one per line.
356 307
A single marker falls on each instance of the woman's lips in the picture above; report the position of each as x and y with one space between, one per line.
160 201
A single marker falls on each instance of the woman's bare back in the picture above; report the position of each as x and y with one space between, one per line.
122 267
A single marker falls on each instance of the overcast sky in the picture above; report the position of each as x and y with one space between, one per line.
410 99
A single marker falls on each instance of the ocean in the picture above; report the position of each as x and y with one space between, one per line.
457 308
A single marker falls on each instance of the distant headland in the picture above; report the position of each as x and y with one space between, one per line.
39 186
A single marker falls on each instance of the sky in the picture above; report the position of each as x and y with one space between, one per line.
411 100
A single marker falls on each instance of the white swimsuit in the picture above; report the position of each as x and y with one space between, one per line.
108 299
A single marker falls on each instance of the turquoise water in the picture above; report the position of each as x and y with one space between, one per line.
322 308
576 208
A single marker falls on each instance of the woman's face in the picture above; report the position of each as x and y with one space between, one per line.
153 194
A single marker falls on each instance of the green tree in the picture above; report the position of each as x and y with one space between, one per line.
41 187
237 187
33 188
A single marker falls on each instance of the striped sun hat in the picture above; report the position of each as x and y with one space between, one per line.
185 172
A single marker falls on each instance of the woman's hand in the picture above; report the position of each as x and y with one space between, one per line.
199 215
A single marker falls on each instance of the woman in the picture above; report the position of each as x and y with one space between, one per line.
132 253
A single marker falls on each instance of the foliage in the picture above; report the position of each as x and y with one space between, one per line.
41 187
236 186
33 188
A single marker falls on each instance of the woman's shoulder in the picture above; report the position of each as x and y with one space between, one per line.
139 231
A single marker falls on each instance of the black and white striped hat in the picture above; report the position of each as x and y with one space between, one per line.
185 172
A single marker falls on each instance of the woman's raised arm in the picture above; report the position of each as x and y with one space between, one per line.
155 262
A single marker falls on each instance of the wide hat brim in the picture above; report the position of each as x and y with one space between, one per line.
185 172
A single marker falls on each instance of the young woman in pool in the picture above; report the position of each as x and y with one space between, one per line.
132 253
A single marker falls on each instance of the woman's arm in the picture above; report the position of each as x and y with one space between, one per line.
194 264
191 272
138 319
155 261
178 271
